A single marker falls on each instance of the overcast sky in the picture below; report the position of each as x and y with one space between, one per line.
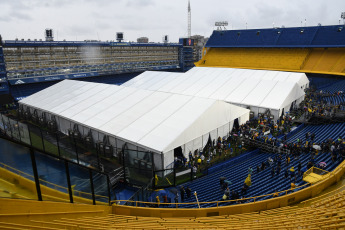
101 19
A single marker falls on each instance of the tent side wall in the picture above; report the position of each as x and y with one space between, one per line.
224 123
64 125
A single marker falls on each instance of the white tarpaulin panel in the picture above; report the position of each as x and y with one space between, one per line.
282 94
259 93
156 121
254 88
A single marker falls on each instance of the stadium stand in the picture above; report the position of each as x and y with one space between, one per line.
301 49
325 213
322 132
334 93
208 188
315 36
273 58
308 60
307 49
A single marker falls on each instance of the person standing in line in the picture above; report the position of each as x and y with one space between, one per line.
195 169
292 173
182 191
188 192
250 170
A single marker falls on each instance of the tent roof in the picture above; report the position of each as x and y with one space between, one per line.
260 88
154 120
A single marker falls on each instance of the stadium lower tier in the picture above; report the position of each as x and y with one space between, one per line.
322 132
307 60
236 170
208 188
325 211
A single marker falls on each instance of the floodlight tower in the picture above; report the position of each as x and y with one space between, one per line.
189 20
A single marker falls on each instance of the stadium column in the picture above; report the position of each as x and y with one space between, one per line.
92 188
109 194
34 169
68 182
44 149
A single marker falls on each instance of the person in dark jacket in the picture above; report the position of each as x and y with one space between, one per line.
182 192
188 192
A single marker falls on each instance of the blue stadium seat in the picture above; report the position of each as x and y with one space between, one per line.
317 36
236 170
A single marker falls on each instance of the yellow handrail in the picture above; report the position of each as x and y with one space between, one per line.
55 186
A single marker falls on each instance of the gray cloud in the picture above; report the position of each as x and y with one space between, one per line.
140 3
21 16
85 19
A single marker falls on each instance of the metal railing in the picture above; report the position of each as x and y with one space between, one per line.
144 191
208 203
265 146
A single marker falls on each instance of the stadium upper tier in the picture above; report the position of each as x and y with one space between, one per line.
316 36
305 49
33 61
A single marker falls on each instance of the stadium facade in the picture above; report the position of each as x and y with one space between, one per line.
46 62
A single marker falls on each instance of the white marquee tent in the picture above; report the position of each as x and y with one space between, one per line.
145 120
257 89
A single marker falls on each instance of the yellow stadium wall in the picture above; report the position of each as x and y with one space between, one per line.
308 60
281 201
22 211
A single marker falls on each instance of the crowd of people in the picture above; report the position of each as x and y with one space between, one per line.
214 150
334 147
316 103
273 132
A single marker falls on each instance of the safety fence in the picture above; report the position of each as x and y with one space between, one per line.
265 146
30 173
59 196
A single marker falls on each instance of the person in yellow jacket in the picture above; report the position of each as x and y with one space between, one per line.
156 179
292 173
158 201
275 194
293 186
248 180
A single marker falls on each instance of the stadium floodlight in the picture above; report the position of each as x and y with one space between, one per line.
119 36
221 24
165 39
49 35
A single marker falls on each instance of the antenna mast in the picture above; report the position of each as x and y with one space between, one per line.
189 20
